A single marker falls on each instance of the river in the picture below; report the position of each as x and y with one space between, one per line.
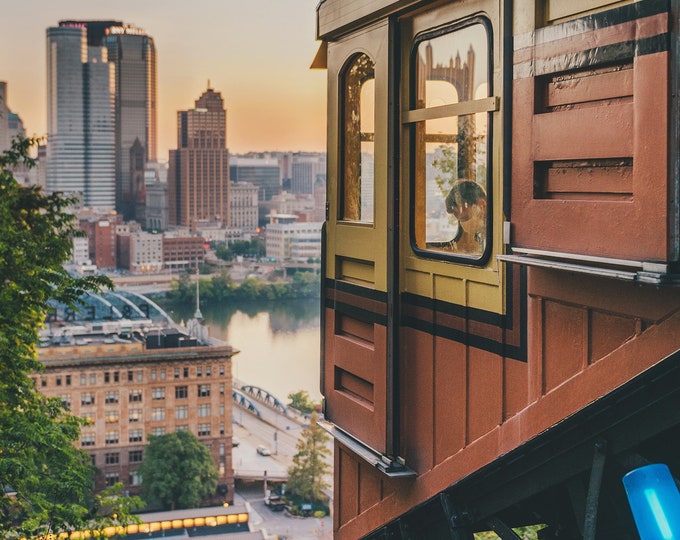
278 342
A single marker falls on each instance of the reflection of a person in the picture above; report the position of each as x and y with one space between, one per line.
467 202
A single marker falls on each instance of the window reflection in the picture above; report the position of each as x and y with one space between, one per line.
451 142
358 144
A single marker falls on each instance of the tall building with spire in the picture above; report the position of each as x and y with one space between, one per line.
101 92
198 174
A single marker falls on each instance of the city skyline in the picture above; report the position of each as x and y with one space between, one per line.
278 106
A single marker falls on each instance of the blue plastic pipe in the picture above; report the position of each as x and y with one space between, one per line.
655 501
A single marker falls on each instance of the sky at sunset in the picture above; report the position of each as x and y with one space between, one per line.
255 52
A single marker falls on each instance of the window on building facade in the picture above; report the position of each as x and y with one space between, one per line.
135 435
158 413
176 373
66 400
93 378
181 412
68 380
183 427
158 392
186 372
358 101
204 410
450 128
58 381
87 439
116 376
111 458
112 478
136 456
87 398
207 371
203 430
157 431
107 377
135 479
181 392
134 415
111 416
221 369
111 437
135 395
199 372
162 374
83 379
203 390
111 396
130 376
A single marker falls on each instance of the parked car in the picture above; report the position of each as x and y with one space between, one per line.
263 451
275 503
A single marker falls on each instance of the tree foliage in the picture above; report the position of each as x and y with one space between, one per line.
47 481
220 288
306 476
301 401
178 471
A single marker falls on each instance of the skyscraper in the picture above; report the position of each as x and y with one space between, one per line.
198 175
133 52
101 104
80 117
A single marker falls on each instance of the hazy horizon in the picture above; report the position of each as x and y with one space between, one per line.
256 54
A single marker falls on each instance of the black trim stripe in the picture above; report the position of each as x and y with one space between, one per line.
608 54
604 19
511 328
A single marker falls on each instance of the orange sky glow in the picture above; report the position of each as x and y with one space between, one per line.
257 53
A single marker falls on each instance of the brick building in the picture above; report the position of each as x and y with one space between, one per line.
121 364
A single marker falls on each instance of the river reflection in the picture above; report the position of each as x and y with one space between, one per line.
278 342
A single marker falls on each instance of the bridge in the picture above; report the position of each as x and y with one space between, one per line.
245 402
265 397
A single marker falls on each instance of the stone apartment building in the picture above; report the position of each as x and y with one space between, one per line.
122 365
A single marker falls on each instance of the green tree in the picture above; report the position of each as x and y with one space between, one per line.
306 477
301 401
178 471
47 481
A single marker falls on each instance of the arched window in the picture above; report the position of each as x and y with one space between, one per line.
450 126
358 91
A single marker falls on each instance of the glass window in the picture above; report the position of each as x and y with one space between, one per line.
135 395
87 439
204 410
203 390
111 396
158 392
87 398
203 430
158 413
181 392
111 437
181 412
356 190
111 458
135 415
111 416
112 478
135 435
135 456
450 127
